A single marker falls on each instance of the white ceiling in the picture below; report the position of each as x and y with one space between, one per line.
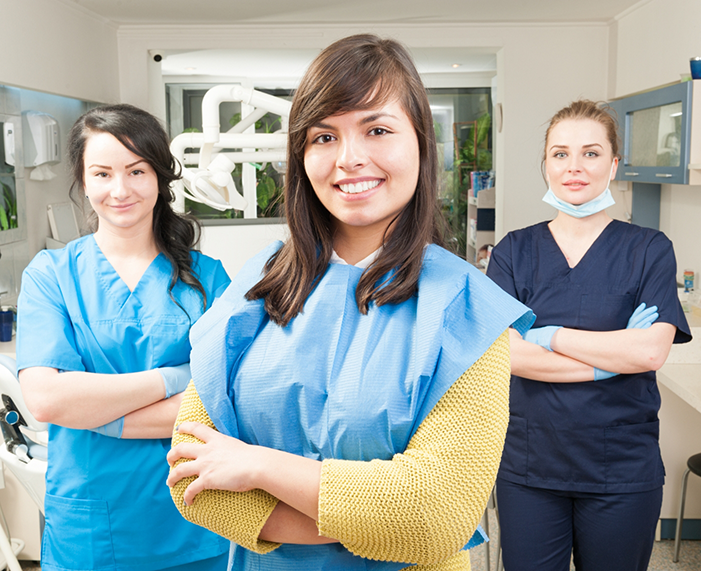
353 11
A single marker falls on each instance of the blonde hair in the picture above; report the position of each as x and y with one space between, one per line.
586 109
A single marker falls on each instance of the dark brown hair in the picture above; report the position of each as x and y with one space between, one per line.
586 109
356 73
143 135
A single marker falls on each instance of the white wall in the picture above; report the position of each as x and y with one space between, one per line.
234 245
39 194
540 68
51 46
653 44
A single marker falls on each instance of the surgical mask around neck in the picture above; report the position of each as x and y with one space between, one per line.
595 205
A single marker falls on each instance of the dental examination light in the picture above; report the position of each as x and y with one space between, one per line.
211 182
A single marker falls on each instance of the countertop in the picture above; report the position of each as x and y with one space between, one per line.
8 348
682 372
684 380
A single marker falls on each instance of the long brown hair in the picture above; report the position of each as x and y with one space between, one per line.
140 132
356 73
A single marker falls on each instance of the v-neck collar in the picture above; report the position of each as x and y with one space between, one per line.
111 278
589 257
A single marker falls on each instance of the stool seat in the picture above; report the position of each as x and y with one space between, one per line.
694 464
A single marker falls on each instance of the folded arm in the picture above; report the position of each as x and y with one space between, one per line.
153 421
86 400
623 351
424 505
534 362
433 495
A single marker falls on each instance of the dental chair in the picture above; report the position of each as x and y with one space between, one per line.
22 450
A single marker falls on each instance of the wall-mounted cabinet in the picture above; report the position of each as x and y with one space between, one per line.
661 135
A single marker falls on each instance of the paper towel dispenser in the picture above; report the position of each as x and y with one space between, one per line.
41 138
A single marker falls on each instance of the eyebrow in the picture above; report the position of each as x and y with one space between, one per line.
376 116
583 146
110 168
363 121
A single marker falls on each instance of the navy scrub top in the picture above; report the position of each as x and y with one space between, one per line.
599 437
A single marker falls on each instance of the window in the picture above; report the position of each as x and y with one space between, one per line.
462 121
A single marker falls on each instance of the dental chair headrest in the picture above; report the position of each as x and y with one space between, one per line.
9 385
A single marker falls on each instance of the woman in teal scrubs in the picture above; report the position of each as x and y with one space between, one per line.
103 354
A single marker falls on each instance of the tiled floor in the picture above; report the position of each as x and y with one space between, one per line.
661 560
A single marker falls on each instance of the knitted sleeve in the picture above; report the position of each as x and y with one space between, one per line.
424 505
238 516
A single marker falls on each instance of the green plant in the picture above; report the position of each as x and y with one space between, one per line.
438 130
472 155
269 195
473 152
8 208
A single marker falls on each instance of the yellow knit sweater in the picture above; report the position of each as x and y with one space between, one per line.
421 507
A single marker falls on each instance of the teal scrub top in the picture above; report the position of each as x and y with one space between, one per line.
335 383
107 505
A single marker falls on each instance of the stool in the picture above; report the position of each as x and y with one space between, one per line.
694 465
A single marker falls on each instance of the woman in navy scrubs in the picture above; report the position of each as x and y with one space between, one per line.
581 471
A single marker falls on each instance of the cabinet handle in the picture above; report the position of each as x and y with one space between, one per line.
632 173
663 175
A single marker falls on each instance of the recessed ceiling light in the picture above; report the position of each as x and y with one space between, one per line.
457 64
190 68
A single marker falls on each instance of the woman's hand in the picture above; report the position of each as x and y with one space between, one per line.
220 462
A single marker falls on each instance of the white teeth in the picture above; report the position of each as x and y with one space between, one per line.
359 187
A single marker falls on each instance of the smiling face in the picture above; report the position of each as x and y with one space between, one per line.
364 168
122 187
579 161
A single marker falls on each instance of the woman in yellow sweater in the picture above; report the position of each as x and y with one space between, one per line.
351 386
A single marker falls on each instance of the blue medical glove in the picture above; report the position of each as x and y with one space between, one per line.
600 375
175 379
542 335
113 429
642 318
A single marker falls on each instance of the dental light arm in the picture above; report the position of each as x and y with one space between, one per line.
211 183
